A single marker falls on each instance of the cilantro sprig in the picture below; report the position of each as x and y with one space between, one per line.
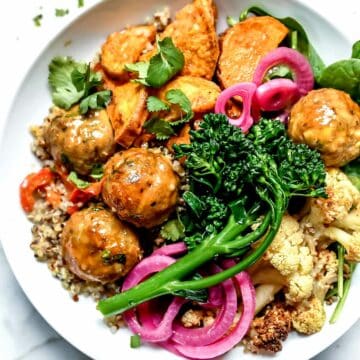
71 81
163 66
161 128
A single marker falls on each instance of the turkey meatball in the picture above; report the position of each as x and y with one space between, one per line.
80 141
329 121
140 186
97 246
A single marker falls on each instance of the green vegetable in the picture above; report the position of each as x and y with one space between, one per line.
161 128
172 230
199 295
254 177
96 101
61 12
231 21
135 341
343 75
72 81
80 3
355 54
163 66
108 258
177 97
340 282
280 71
79 183
154 104
352 170
97 172
341 302
37 20
297 38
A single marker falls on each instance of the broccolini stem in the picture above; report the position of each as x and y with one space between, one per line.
340 284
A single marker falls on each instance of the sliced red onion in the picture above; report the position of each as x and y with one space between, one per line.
163 331
277 94
209 334
228 342
246 91
298 64
170 250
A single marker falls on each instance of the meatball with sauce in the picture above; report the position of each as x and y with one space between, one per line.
327 120
141 186
97 246
80 141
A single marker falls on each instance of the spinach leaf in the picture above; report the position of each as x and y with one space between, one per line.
355 54
297 37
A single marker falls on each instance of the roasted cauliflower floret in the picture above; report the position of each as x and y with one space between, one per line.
336 218
268 331
291 257
327 120
309 316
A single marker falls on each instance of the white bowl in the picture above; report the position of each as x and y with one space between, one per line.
80 323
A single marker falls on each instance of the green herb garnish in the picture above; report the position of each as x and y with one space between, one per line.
135 341
37 20
109 259
79 183
177 97
163 66
161 128
61 12
97 172
173 230
154 104
80 3
96 101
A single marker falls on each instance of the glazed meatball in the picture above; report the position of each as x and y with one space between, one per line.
80 141
97 246
329 121
140 186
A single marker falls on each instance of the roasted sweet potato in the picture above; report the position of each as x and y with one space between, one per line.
128 112
202 94
182 138
125 47
243 45
193 32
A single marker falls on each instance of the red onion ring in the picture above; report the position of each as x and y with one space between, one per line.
277 94
173 249
246 90
300 66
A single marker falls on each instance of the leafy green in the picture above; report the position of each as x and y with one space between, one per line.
37 20
154 104
343 75
177 97
172 230
240 187
96 101
163 66
280 71
231 21
297 38
355 54
135 341
79 183
161 128
97 172
352 170
80 3
71 81
61 12
200 295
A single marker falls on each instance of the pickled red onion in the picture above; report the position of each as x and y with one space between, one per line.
170 250
277 94
246 91
298 64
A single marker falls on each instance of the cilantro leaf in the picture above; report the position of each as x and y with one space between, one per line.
79 183
97 172
177 97
155 104
80 3
61 12
37 20
168 61
96 101
161 128
173 230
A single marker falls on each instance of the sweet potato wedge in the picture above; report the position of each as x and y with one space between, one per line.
243 45
127 112
125 47
193 32
202 93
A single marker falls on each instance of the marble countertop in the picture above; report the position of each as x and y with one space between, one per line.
24 334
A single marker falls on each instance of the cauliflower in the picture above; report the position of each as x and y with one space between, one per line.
336 218
291 257
268 331
309 316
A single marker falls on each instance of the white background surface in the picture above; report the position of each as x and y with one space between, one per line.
23 333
